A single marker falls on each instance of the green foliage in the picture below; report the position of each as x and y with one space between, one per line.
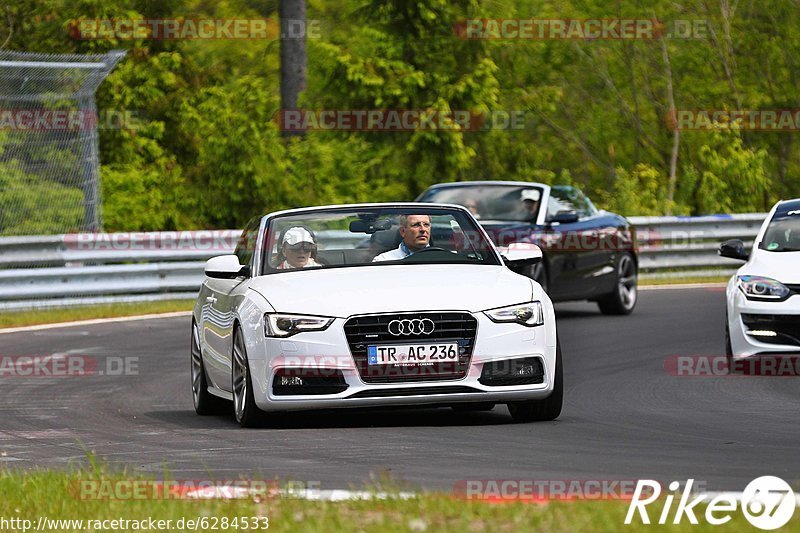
37 206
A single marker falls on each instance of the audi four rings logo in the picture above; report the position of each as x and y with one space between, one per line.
415 326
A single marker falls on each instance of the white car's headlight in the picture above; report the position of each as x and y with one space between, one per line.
282 325
529 314
760 288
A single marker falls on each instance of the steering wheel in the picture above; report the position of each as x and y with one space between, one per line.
431 249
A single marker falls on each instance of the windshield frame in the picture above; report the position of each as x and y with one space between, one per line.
265 268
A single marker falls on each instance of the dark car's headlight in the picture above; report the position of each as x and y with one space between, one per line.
283 325
760 288
529 314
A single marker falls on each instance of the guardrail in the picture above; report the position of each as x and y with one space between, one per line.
63 270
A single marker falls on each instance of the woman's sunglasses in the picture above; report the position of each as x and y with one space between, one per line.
304 246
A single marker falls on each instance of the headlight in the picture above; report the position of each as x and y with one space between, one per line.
758 288
280 325
529 314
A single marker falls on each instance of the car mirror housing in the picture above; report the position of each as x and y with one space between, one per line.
734 249
226 267
520 253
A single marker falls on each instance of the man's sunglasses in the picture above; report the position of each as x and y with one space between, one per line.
304 246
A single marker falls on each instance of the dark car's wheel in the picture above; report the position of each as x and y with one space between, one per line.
538 273
244 404
205 403
546 409
623 299
473 407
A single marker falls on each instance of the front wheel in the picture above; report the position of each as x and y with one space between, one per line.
546 409
623 299
244 405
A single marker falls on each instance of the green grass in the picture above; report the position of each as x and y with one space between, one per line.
69 314
53 494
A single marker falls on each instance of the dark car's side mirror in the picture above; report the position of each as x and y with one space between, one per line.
564 217
734 249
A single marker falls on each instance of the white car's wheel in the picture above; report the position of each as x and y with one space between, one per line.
546 409
244 405
205 403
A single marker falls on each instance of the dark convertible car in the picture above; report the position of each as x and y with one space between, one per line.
588 254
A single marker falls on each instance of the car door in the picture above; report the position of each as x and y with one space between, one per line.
219 312
579 263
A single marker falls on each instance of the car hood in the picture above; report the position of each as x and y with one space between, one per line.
782 266
342 292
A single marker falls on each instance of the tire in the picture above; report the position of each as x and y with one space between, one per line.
729 348
538 273
472 407
205 403
623 299
245 411
546 409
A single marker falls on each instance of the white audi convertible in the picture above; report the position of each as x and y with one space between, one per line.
373 305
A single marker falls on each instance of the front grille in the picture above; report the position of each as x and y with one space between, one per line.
459 327
787 327
416 391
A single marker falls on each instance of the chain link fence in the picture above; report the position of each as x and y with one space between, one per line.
49 164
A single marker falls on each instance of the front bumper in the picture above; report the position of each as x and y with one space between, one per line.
328 352
780 318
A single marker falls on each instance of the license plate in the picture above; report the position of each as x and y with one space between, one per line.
409 354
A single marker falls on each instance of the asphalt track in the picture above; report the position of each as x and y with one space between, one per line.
625 417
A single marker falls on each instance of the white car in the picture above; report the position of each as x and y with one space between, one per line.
763 298
302 317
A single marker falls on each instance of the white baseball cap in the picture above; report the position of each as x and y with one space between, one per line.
530 194
297 235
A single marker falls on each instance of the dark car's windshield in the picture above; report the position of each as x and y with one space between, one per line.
491 202
783 232
338 238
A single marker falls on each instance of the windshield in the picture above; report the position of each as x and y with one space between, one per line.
492 202
375 236
783 232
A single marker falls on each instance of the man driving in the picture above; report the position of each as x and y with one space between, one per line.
415 231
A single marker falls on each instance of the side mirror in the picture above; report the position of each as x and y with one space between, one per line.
564 217
520 253
226 267
734 249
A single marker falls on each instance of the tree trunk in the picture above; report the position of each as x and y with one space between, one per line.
676 134
292 14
